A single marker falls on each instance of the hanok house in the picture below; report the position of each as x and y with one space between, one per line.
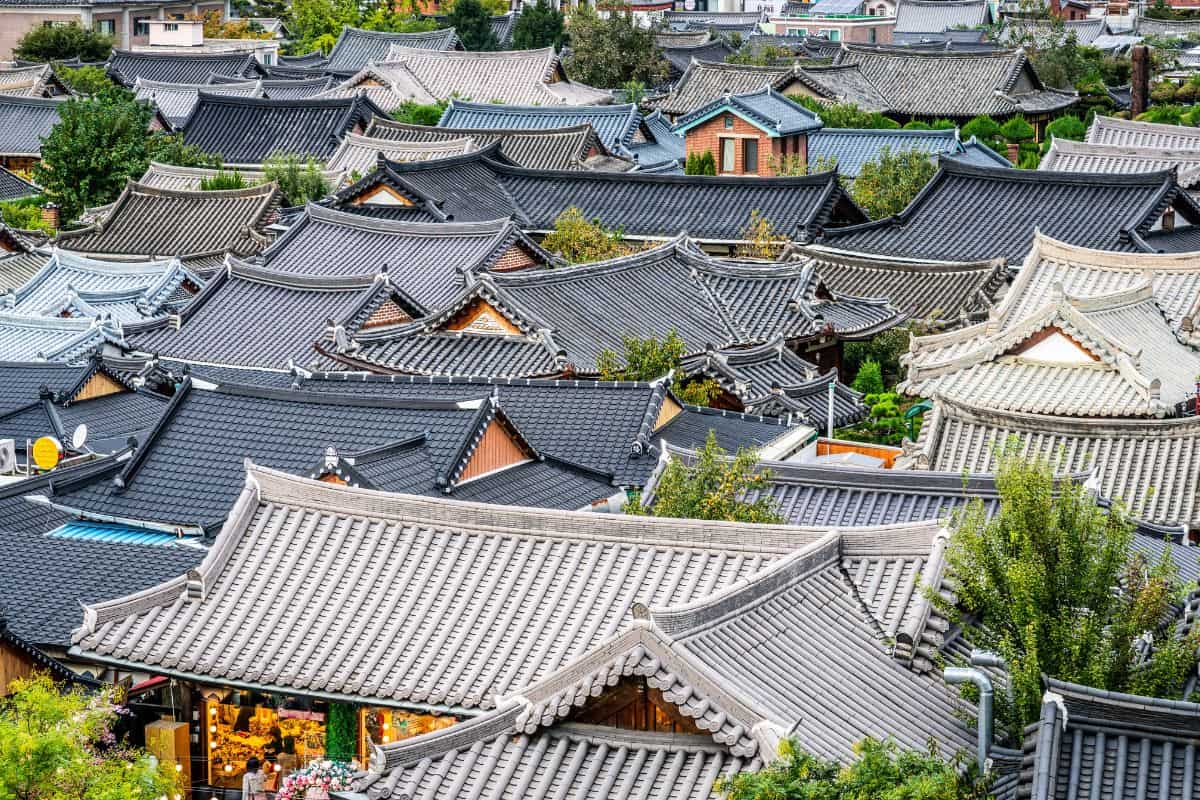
751 134
24 122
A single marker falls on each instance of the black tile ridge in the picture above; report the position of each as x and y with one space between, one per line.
65 476
211 98
815 179
354 400
480 380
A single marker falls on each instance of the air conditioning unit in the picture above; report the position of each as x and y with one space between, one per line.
8 457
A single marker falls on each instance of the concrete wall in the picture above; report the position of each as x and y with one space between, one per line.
15 23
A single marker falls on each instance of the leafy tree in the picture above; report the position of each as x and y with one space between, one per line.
24 214
223 180
169 148
757 57
884 348
1067 127
539 25
315 24
700 164
59 744
983 128
415 113
760 239
1038 584
869 379
473 24
580 240
917 125
98 143
889 182
1017 131
883 771
385 17
714 487
845 115
650 359
62 43
84 80
217 27
299 180
614 50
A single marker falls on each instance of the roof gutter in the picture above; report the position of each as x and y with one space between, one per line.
91 516
332 697
984 720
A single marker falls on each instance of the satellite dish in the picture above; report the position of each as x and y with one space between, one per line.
46 452
79 437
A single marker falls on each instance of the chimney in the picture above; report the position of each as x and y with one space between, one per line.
1014 153
50 215
1168 220
1140 89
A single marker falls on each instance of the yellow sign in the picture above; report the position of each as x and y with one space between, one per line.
46 452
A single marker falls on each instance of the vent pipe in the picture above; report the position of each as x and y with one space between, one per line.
984 719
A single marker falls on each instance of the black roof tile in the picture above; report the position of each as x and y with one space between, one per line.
127 66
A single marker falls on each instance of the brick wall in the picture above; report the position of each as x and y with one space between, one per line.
515 258
707 136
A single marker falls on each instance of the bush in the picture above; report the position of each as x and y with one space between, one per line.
415 113
473 24
869 379
982 128
889 182
1064 128
1017 130
25 214
845 115
917 125
650 359
299 180
63 43
580 240
84 80
223 180
169 148
700 164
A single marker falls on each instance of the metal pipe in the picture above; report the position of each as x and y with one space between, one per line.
984 720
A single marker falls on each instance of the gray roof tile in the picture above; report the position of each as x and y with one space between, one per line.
850 148
24 122
127 66
933 16
14 187
355 47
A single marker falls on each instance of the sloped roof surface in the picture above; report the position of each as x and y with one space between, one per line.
296 89
14 187
843 83
361 153
1129 133
355 48
680 56
36 80
615 124
160 222
705 81
176 178
934 16
968 212
765 108
176 101
65 340
128 66
24 122
851 148
20 381
1068 156
249 130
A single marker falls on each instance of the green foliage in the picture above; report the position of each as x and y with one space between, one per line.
98 143
394 18
315 24
1042 573
889 182
84 80
634 91
581 241
758 57
869 379
760 239
943 125
1067 127
1016 130
59 744
24 214
299 180
917 125
341 732
539 25
169 148
983 128
845 115
884 349
611 51
885 422
715 487
223 180
473 24
650 359
419 113
63 43
882 771
700 164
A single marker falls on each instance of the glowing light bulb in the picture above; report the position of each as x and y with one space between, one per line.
212 728
178 767
212 711
212 745
386 739
229 767
277 768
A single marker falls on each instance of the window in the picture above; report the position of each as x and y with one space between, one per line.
141 27
728 158
750 156
834 34
106 27
871 35
171 26
728 121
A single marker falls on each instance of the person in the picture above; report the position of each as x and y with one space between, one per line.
254 782
287 757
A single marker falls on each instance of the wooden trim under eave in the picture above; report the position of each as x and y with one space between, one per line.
99 385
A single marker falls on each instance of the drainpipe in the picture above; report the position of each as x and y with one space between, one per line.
983 725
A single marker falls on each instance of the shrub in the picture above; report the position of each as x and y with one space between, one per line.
63 43
299 180
223 180
415 113
869 379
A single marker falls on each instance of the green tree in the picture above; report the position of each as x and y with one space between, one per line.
300 180
473 24
700 164
650 359
1053 580
24 214
608 52
539 25
845 115
869 379
84 80
886 348
63 43
415 113
341 732
760 239
169 148
882 771
1067 127
714 487
580 240
315 24
889 182
59 744
98 143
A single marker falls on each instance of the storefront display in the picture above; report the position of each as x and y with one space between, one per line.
283 739
383 725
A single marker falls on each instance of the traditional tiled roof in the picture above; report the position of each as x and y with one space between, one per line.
1142 463
1050 33
980 155
30 81
360 154
314 58
680 56
507 76
70 285
127 66
249 130
1128 133
1167 28
566 315
938 291
24 122
616 124
766 109
176 178
934 16
356 48
1103 745
1068 156
560 614
14 187
672 38
850 148
185 224
429 262
955 84
1113 355
65 340
175 101
110 420
968 212
535 148
302 89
